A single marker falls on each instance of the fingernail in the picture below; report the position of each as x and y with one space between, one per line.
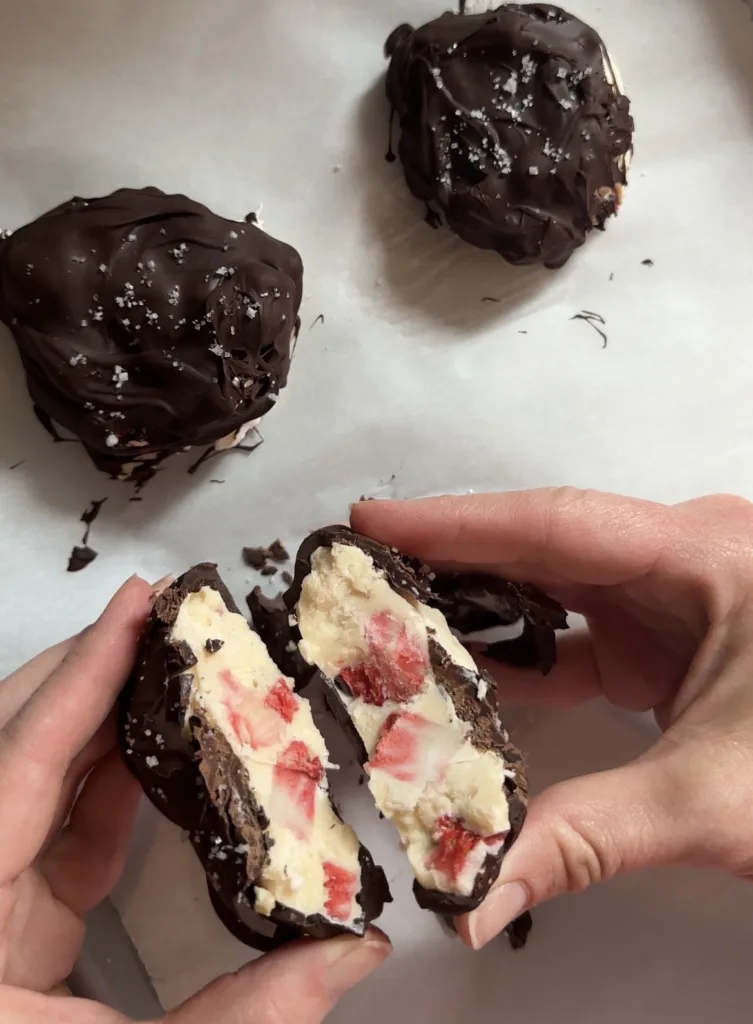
348 960
500 907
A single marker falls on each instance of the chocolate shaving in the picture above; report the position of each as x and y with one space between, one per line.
89 515
318 320
593 320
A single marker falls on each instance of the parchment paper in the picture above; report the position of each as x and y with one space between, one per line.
411 374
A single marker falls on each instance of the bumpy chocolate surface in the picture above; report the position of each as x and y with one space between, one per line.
513 126
408 578
147 324
474 603
192 776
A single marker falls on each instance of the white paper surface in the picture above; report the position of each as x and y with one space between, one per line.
411 374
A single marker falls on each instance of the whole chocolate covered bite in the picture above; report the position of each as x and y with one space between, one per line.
421 715
225 749
513 125
148 324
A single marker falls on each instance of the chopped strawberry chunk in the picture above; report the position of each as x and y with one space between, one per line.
455 843
397 751
395 667
282 700
295 779
410 748
251 720
341 886
297 757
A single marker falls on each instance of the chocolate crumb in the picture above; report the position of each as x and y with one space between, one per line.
256 558
268 570
17 464
135 499
490 298
212 646
317 320
647 263
287 578
278 551
216 481
80 557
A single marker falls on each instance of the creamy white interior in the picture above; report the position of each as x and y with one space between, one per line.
294 875
450 777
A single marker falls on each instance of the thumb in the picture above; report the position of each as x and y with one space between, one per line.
588 830
299 984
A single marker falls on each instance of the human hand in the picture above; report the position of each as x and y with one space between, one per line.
61 851
667 592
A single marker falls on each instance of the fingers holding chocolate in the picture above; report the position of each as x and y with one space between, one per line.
40 744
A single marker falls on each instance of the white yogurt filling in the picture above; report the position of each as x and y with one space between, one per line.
312 865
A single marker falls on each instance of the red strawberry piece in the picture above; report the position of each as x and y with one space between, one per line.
295 778
455 843
341 886
297 757
251 720
395 666
413 749
282 700
396 751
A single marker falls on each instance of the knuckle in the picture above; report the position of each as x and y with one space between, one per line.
577 856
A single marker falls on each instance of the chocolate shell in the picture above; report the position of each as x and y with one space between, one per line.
513 126
147 324
476 605
177 743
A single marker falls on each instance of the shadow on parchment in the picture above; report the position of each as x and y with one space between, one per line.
429 271
732 26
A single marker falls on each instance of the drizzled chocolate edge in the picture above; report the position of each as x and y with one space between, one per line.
408 578
201 786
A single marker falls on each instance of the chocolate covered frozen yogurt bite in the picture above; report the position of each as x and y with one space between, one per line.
421 714
226 749
148 325
514 127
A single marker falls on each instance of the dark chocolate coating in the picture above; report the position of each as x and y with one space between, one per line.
476 601
408 578
147 324
511 127
193 777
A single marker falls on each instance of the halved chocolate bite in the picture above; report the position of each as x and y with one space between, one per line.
513 125
480 608
225 749
421 714
148 324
